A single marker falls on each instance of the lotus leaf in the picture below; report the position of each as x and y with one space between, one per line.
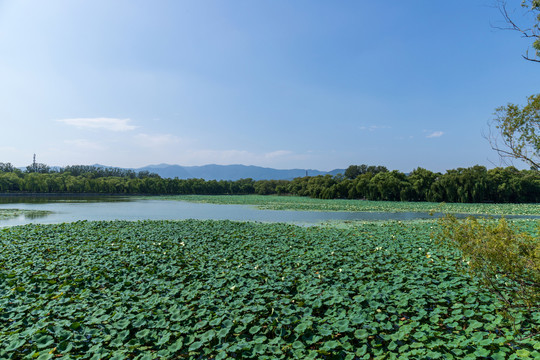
163 291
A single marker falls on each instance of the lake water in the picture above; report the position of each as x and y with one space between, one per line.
69 209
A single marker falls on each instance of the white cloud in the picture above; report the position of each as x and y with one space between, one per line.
435 134
110 124
84 144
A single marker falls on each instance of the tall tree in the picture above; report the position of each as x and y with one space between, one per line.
525 22
517 133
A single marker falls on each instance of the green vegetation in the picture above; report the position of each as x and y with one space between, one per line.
308 204
506 259
519 131
462 185
13 213
212 289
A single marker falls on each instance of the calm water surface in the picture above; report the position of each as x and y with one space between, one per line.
69 209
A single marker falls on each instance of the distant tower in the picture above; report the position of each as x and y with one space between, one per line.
34 164
306 170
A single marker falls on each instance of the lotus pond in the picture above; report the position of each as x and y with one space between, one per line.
55 209
220 289
272 202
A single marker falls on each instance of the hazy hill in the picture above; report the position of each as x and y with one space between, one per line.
231 172
222 172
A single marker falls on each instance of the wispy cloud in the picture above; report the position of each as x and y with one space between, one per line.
435 134
110 124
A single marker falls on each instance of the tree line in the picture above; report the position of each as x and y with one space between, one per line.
463 185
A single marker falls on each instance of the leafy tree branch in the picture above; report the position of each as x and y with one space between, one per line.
527 26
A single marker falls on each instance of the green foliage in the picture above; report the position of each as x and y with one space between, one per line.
531 29
38 168
353 171
390 186
6 167
97 172
519 130
421 181
219 289
475 184
534 7
507 261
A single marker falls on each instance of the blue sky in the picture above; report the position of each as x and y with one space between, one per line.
284 84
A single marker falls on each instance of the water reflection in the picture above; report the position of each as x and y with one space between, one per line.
36 215
69 209
53 198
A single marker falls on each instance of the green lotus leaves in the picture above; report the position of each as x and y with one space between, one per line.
223 332
15 344
522 353
118 356
361 334
121 324
196 345
164 339
163 290
221 355
145 356
302 327
43 340
143 334
45 356
176 346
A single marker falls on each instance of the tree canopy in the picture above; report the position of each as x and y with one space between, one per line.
475 184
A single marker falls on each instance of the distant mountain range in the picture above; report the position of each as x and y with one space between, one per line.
221 172
231 172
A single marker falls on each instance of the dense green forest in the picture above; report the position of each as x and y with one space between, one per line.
474 184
